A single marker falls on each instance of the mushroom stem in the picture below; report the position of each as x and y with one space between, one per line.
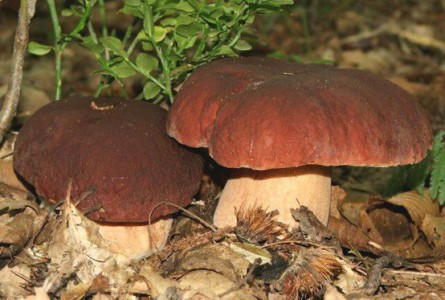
280 189
134 240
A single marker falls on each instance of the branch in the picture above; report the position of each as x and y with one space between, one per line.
9 108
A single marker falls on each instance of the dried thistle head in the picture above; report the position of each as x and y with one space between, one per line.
307 275
256 226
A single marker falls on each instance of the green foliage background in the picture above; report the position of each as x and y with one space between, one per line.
166 41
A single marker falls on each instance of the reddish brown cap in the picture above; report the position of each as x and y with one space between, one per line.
120 148
262 113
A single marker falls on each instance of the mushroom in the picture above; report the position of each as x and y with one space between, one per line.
119 150
281 125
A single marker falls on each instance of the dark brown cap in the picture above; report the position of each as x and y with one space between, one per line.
118 147
262 113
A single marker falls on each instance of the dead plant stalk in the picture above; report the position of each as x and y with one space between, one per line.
9 108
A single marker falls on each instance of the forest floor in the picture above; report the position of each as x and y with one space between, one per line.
399 257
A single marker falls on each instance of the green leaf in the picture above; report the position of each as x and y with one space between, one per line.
184 20
97 49
134 3
147 46
89 43
151 90
185 42
39 49
280 2
123 70
168 22
67 12
114 45
189 30
242 45
133 11
184 6
437 180
159 33
225 51
146 62
77 10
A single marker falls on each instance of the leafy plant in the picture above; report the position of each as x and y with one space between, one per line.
430 172
437 179
166 41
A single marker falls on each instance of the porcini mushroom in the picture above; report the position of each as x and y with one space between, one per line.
119 148
280 125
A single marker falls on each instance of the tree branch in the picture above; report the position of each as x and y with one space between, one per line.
9 108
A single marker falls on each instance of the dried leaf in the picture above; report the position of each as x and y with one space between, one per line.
7 146
434 230
9 177
400 221
19 230
203 284
100 296
366 224
8 204
338 196
14 280
40 294
76 292
382 218
418 206
252 252
312 229
150 283
217 258
352 237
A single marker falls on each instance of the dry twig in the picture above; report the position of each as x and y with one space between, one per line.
9 109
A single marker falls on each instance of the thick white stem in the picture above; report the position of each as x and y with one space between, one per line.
280 189
134 240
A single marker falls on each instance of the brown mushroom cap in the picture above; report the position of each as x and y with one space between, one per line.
262 113
121 149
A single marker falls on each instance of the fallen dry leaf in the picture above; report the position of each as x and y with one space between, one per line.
204 284
418 206
20 222
215 257
338 196
100 296
352 237
148 282
9 177
40 294
75 292
434 229
409 224
14 281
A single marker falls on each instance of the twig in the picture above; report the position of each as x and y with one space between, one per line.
9 108
185 211
375 274
414 273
